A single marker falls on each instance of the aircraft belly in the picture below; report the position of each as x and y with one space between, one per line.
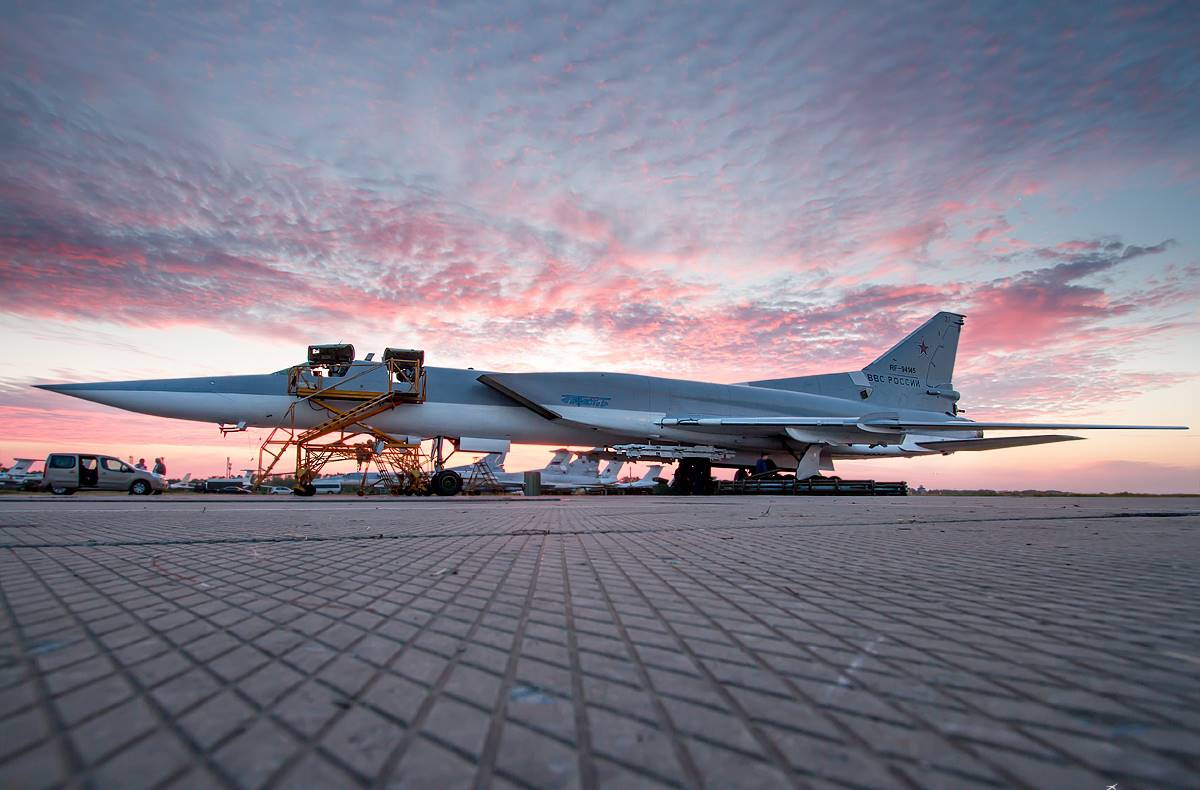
638 426
515 423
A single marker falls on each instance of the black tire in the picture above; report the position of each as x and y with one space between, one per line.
446 483
140 488
61 490
681 481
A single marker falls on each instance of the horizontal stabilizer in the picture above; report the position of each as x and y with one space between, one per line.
999 443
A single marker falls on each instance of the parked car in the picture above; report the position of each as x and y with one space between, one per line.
277 490
66 473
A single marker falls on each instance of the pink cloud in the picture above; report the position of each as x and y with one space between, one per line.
911 239
991 231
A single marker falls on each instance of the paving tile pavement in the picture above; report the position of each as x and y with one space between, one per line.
600 642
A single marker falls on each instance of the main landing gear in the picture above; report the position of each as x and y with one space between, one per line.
693 476
446 483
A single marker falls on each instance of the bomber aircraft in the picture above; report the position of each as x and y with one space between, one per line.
648 480
902 404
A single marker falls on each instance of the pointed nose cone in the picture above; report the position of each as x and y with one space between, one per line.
207 399
108 393
85 391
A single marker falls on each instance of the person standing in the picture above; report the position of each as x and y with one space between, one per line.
159 467
141 464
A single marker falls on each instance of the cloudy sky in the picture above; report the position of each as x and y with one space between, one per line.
721 192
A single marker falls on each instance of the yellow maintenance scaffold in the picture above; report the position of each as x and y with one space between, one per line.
347 395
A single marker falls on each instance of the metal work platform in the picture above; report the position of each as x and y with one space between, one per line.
812 486
350 394
480 479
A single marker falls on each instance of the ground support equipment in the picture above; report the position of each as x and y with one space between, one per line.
349 394
481 479
812 486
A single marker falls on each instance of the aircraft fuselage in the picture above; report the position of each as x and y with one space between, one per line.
588 408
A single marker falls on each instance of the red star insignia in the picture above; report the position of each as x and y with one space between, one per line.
924 348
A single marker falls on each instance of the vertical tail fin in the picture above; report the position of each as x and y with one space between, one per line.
559 462
611 470
584 464
917 372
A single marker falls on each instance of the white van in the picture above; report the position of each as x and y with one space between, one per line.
66 473
328 485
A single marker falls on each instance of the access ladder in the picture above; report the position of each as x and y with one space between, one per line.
399 461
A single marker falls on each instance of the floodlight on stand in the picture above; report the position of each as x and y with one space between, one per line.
331 354
404 355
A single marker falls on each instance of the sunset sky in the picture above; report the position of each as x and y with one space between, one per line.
722 192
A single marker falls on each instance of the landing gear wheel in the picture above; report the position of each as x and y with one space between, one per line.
446 483
140 488
693 476
308 489
61 490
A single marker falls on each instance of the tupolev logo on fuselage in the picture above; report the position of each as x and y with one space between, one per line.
590 401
